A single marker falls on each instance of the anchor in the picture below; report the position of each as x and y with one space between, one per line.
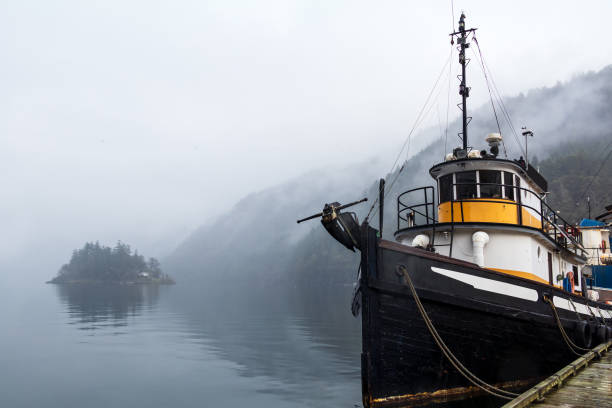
343 226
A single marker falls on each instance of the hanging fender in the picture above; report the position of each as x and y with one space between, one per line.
582 334
570 277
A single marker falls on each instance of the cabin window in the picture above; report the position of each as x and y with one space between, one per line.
446 188
466 184
550 268
508 189
575 273
490 184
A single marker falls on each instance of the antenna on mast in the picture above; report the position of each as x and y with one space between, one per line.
464 90
526 132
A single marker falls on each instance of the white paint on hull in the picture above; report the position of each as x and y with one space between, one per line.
564 303
490 285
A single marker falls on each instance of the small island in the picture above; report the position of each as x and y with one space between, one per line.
95 263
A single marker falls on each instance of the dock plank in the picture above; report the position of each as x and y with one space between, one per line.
589 387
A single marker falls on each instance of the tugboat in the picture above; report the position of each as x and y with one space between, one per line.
597 241
482 290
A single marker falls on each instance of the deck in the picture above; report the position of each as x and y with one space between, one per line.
585 383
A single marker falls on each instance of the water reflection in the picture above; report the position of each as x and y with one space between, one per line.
296 349
307 353
96 306
307 345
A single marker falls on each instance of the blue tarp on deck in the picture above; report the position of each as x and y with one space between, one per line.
586 222
602 276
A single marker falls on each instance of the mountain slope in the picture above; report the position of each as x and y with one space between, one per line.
258 244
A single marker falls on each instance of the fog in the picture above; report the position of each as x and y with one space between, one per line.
139 121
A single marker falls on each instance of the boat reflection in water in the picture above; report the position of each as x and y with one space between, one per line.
266 351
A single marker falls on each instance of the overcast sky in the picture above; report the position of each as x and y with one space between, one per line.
139 120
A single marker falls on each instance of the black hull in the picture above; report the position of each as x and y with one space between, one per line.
505 340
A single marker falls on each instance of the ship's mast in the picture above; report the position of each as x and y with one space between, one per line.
464 90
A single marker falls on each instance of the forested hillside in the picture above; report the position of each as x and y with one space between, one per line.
258 244
577 170
570 169
101 264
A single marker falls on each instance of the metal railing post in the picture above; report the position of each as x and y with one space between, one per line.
426 206
399 214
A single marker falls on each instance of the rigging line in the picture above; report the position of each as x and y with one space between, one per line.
501 104
506 116
429 109
389 188
489 89
450 66
440 125
418 124
418 118
414 126
503 108
605 159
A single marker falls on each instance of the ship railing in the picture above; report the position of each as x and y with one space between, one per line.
598 256
417 214
421 212
551 223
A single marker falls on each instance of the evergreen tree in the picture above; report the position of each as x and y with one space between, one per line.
98 263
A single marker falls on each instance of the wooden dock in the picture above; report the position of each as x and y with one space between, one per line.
585 383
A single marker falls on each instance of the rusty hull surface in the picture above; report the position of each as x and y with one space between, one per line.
445 395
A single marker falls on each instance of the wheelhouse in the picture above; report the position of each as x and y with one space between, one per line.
505 200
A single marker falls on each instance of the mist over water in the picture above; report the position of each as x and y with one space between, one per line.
260 316
72 346
198 132
103 346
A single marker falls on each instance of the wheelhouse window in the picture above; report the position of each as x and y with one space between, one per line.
466 184
508 188
446 188
478 184
490 184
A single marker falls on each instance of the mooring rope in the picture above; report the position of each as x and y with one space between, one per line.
594 315
575 310
588 308
471 377
568 341
603 319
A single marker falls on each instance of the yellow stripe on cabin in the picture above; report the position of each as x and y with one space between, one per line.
521 274
492 210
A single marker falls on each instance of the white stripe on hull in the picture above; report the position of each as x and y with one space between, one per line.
508 289
490 285
564 303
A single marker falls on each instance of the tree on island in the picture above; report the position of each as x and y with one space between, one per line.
98 263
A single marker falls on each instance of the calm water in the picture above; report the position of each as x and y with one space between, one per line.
66 346
147 346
